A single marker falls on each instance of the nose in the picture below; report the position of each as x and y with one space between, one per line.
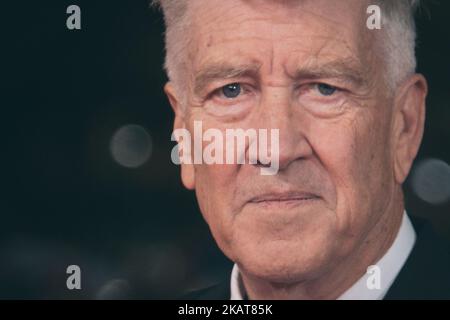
277 111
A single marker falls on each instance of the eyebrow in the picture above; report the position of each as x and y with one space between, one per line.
347 70
223 71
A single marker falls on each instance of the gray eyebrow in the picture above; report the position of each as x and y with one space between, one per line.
346 69
223 71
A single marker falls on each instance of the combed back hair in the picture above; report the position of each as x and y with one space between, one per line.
397 45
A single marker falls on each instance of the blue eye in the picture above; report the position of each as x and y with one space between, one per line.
325 89
231 90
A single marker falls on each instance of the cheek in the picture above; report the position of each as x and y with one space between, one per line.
213 186
215 189
216 184
350 154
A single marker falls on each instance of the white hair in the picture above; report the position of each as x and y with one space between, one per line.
397 45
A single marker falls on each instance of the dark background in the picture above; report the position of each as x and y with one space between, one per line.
135 232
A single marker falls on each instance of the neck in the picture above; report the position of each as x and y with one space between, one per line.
331 284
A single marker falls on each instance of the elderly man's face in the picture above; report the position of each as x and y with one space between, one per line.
309 69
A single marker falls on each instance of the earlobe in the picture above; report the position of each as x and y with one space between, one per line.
187 170
409 119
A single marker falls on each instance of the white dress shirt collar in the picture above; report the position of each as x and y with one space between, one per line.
389 265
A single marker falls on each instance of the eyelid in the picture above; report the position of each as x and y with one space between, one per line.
220 106
328 83
244 89
313 84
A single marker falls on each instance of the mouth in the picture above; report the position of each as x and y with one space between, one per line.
284 199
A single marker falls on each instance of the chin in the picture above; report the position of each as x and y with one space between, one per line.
286 261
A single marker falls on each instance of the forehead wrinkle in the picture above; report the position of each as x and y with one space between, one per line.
225 36
271 55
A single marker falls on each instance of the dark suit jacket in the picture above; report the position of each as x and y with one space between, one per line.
425 275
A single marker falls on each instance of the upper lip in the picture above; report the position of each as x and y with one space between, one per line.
283 196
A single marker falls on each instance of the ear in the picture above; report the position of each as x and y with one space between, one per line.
187 170
409 120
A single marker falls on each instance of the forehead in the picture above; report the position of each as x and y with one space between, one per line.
284 33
